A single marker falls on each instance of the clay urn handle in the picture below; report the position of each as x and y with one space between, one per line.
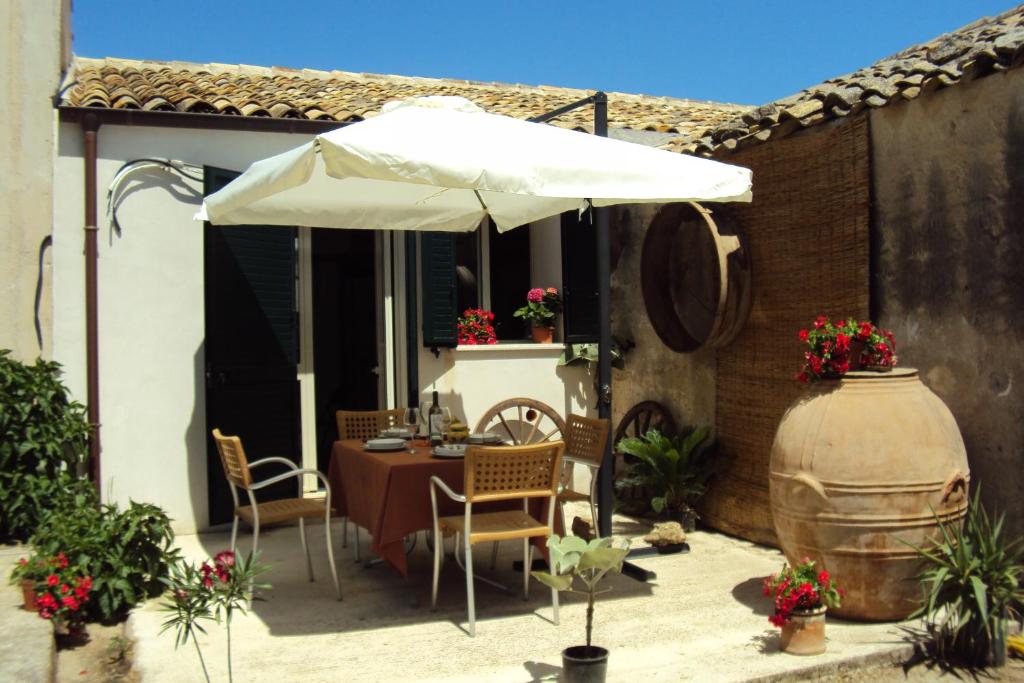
812 483
955 489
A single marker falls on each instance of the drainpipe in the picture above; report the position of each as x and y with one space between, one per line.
90 129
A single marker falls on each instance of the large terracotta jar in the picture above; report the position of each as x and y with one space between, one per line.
857 466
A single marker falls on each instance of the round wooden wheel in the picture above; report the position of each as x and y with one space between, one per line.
637 420
522 421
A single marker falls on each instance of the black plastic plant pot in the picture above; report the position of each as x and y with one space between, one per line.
582 664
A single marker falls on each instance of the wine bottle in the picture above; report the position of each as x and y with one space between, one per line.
434 422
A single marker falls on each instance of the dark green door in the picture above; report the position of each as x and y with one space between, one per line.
252 389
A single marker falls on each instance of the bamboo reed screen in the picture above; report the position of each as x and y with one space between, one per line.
807 231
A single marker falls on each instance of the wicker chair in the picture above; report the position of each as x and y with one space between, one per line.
585 441
366 424
237 470
494 474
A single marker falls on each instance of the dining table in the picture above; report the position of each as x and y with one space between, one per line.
388 494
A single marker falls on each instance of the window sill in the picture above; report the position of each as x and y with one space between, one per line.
519 347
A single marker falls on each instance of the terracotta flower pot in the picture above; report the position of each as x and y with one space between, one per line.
804 633
28 596
542 335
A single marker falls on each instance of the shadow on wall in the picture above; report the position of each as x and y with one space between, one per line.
194 443
148 178
579 388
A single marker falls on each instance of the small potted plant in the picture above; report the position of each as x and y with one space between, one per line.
542 305
476 326
802 595
55 590
675 469
575 561
835 348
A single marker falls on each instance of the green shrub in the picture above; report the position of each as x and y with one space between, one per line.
675 469
972 586
44 438
127 552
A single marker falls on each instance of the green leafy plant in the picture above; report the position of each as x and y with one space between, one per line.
213 591
971 586
675 468
575 561
800 588
127 552
587 354
43 443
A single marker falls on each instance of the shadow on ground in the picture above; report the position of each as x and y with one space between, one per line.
377 597
751 594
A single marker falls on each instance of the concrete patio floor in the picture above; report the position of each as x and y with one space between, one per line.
703 619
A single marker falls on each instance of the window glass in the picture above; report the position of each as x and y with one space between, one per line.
509 279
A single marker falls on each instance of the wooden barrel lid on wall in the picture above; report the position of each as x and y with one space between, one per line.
695 276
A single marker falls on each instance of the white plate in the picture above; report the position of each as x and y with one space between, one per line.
484 437
385 445
450 451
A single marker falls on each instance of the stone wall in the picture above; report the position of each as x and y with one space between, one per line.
683 383
948 225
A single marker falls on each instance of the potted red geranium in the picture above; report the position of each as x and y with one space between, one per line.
837 347
476 327
802 595
55 590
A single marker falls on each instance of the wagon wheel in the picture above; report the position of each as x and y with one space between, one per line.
637 420
523 421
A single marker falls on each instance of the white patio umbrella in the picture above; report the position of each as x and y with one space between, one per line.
442 163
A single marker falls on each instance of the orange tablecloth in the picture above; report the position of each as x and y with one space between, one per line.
388 494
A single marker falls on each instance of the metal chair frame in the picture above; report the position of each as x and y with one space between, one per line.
250 488
592 463
436 483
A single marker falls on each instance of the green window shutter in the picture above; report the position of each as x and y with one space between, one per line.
437 273
581 314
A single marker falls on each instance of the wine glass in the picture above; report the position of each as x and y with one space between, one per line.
411 420
446 421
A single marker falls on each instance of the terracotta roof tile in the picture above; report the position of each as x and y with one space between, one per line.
276 92
986 46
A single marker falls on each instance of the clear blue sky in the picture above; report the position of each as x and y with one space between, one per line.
726 50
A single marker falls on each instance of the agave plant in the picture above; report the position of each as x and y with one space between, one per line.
675 468
972 587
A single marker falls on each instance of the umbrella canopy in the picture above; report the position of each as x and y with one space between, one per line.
442 163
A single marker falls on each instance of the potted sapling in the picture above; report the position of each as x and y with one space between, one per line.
578 567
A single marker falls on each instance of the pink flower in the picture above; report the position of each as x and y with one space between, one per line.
535 295
226 558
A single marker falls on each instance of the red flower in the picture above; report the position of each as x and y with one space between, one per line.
46 601
803 377
62 560
52 580
207 581
803 335
71 603
820 322
823 578
23 562
64 588
842 342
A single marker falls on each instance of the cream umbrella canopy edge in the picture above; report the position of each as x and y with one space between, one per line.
442 163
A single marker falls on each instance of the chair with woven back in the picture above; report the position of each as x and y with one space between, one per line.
363 425
366 424
585 440
498 473
237 469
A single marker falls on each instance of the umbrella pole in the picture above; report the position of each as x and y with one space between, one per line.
604 366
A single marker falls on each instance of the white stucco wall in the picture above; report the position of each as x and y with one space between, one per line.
151 324
32 33
152 366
